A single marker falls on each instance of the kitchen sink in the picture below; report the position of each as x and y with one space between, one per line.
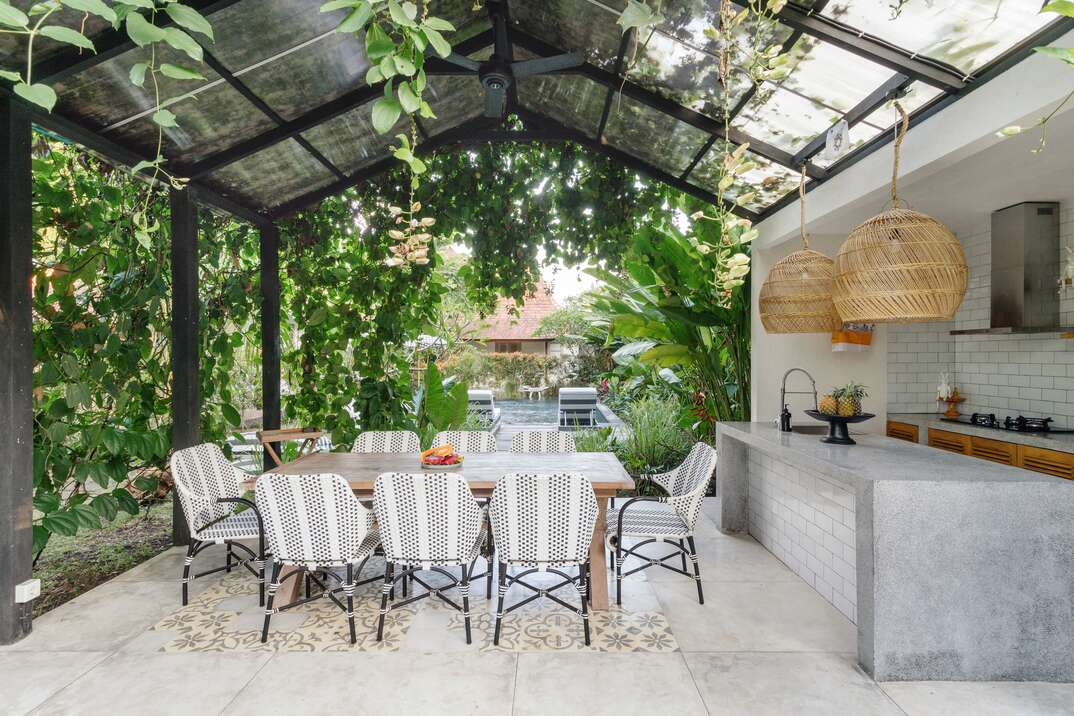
811 429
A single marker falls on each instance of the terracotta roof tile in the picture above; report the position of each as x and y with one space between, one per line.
502 325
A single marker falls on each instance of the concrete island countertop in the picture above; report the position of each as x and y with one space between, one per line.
1063 442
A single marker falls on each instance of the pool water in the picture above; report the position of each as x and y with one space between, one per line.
531 412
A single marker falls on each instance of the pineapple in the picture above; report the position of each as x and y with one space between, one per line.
829 404
849 400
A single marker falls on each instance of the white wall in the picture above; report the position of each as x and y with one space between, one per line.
773 355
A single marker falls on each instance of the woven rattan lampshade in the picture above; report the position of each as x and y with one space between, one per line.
900 266
797 295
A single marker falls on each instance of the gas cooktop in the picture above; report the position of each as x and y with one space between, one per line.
1018 424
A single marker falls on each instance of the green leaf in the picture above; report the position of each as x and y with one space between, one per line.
373 76
407 99
400 16
638 15
106 506
183 42
9 75
189 18
668 355
144 4
41 535
377 43
126 501
231 415
164 118
71 367
385 114
13 17
46 502
137 73
77 394
39 94
317 317
141 31
179 72
339 5
61 523
438 24
87 517
1062 7
437 41
356 19
95 7
66 35
404 66
1066 54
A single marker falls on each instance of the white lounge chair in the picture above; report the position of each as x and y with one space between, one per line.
482 403
577 407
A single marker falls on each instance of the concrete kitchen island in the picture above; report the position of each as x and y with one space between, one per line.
952 568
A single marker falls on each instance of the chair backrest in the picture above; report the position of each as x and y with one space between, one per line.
467 441
577 405
202 475
480 400
689 481
538 441
395 441
323 444
543 518
311 519
426 518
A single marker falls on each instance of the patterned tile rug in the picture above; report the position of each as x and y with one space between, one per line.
225 617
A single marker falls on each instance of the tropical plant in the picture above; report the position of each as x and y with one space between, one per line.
439 404
671 309
657 439
595 440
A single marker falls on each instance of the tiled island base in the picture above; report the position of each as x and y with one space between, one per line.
807 520
951 568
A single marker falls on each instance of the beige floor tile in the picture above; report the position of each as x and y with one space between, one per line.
157 684
598 684
28 679
378 684
961 698
722 558
754 616
774 684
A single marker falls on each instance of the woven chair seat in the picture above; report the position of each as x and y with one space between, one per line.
650 519
239 526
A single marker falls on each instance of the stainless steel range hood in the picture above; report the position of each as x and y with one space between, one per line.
1025 269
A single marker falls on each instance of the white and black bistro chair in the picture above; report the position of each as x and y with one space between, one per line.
543 523
315 524
669 519
394 441
467 441
210 494
428 522
542 441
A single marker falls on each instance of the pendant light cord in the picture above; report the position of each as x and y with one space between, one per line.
900 134
801 206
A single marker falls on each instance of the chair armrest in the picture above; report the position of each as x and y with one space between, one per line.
249 504
628 503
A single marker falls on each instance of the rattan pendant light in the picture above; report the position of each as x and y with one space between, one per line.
797 295
900 266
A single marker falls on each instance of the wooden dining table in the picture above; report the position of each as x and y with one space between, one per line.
482 470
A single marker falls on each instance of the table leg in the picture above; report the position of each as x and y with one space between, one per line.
291 591
598 559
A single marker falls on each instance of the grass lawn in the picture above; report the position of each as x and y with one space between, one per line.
73 565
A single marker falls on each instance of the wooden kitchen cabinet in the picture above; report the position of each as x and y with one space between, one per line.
952 442
994 450
1050 462
902 431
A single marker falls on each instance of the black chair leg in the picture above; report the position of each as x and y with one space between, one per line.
271 598
186 569
388 580
488 564
682 554
348 588
697 570
583 592
499 605
619 570
230 557
464 589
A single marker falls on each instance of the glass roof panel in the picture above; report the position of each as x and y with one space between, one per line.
830 76
252 31
13 47
884 118
219 118
963 33
310 76
769 181
349 140
784 118
454 100
571 100
571 25
272 176
104 96
652 136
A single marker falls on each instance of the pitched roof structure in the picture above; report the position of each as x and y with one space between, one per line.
504 325
282 118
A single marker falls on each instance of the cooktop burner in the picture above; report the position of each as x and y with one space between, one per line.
1018 423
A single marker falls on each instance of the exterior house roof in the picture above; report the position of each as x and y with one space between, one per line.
503 325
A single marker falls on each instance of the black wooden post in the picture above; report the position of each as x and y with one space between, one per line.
270 327
186 380
16 368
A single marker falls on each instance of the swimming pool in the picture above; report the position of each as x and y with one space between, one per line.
532 412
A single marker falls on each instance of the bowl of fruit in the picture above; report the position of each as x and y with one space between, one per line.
838 408
441 457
